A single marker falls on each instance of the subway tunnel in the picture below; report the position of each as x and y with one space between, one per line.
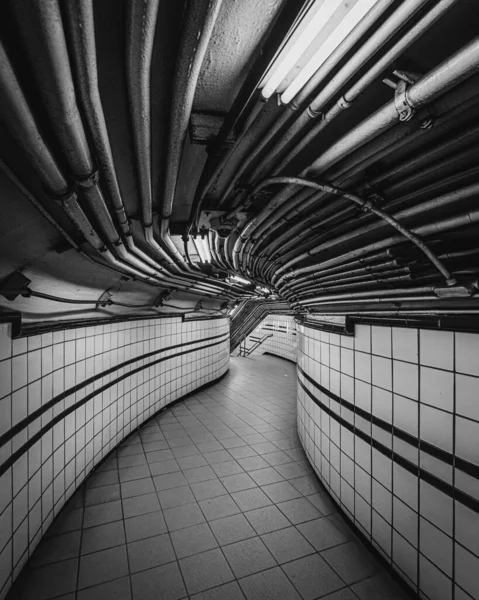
239 334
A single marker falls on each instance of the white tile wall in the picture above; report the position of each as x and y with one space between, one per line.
283 341
415 493
36 486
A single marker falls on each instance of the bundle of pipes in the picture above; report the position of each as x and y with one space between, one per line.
284 232
90 194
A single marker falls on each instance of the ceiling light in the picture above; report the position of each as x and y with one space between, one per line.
318 32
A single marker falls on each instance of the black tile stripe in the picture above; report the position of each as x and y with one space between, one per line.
439 484
13 431
16 455
464 465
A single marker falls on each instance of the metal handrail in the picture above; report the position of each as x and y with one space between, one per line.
248 351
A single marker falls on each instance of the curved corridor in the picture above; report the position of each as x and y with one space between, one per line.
211 499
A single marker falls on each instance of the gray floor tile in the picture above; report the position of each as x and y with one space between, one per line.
312 577
217 457
209 446
252 463
137 487
183 516
324 504
242 452
51 580
216 508
159 455
251 499
102 537
100 478
135 460
191 462
264 448
231 529
229 467
233 442
144 526
229 591
161 583
59 547
182 451
67 520
175 497
291 470
254 438
266 475
281 491
169 480
299 510
154 446
268 585
204 571
102 566
351 561
287 544
208 489
199 474
277 458
99 495
307 485
344 594
132 473
238 482
379 587
150 552
164 467
267 519
193 540
119 589
248 557
102 513
323 533
140 505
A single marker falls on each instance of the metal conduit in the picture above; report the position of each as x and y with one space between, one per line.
379 38
439 202
349 167
354 37
345 101
455 69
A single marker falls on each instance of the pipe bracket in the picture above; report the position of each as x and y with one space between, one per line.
404 109
89 181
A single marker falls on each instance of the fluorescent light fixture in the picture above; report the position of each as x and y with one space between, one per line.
320 30
240 280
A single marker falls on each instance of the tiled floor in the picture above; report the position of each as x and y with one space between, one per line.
213 499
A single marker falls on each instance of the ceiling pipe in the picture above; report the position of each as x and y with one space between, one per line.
141 32
455 69
365 205
81 24
321 74
23 128
377 40
200 19
388 144
47 50
470 217
246 106
314 110
317 220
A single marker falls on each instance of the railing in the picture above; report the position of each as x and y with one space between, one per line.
244 351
